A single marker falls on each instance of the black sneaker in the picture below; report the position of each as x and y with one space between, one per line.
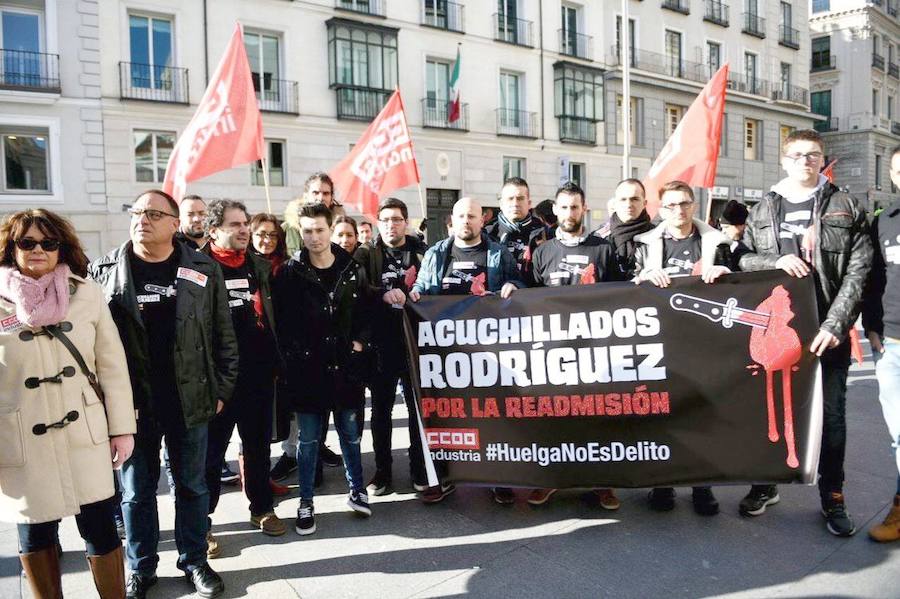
329 458
758 499
283 467
228 476
359 502
837 519
137 585
705 502
503 495
437 493
662 499
380 484
306 518
206 582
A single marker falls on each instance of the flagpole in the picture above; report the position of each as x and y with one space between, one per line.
626 92
265 163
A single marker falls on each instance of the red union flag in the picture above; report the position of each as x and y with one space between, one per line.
226 130
381 161
692 152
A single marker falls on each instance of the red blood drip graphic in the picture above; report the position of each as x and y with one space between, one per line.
777 349
410 279
478 285
588 275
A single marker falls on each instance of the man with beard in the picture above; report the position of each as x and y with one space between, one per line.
629 218
191 216
467 262
574 257
318 188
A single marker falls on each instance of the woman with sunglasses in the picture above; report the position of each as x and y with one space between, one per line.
66 411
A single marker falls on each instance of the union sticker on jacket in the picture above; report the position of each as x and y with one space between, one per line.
192 275
10 323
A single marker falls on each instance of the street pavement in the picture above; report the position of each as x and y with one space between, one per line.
569 547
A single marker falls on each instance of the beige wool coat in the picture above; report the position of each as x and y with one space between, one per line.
46 477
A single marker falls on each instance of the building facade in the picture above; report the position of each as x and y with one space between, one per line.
855 85
540 84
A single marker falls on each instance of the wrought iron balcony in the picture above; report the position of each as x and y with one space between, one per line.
789 37
153 83
577 130
682 6
894 70
444 14
365 7
716 12
512 31
360 103
822 62
29 71
663 64
754 25
436 115
516 123
829 124
276 95
892 9
895 127
749 85
791 93
878 61
575 44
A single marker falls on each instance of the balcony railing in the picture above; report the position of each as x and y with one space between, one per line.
895 127
791 93
822 63
516 123
444 15
749 85
512 31
716 12
153 83
894 70
29 71
360 103
754 25
829 124
276 95
575 44
436 115
577 130
682 6
788 36
365 7
878 61
663 64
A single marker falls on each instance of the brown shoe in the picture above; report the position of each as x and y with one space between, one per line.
42 570
269 524
108 571
212 546
889 530
608 499
540 496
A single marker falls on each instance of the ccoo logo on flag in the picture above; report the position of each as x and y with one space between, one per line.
388 147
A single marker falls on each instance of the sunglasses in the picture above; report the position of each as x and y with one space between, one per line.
48 245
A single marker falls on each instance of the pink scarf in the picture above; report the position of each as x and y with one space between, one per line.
39 302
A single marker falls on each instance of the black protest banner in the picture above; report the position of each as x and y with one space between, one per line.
617 385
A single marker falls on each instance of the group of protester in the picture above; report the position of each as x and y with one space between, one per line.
207 319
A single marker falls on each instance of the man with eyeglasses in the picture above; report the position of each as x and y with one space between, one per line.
806 225
318 189
191 214
391 263
169 304
681 246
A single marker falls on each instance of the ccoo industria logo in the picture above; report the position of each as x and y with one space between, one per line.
388 147
452 438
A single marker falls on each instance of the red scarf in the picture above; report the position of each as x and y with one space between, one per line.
230 258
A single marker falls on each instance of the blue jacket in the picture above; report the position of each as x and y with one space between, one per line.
501 267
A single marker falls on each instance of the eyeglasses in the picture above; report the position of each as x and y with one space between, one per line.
682 205
152 214
265 235
394 220
811 156
48 245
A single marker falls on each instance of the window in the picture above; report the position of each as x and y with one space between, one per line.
753 7
750 72
569 33
820 103
713 56
673 53
673 117
151 51
632 47
151 155
821 53
876 43
877 172
783 132
786 14
275 150
890 108
361 56
576 174
437 82
578 92
874 102
635 128
264 57
785 81
821 5
752 141
21 41
513 166
26 160
510 94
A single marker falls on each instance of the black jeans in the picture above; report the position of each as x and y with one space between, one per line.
835 363
384 392
251 410
95 525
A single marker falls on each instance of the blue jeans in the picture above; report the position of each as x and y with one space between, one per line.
887 371
95 525
349 429
140 477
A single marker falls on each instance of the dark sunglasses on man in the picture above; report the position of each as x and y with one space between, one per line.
48 245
